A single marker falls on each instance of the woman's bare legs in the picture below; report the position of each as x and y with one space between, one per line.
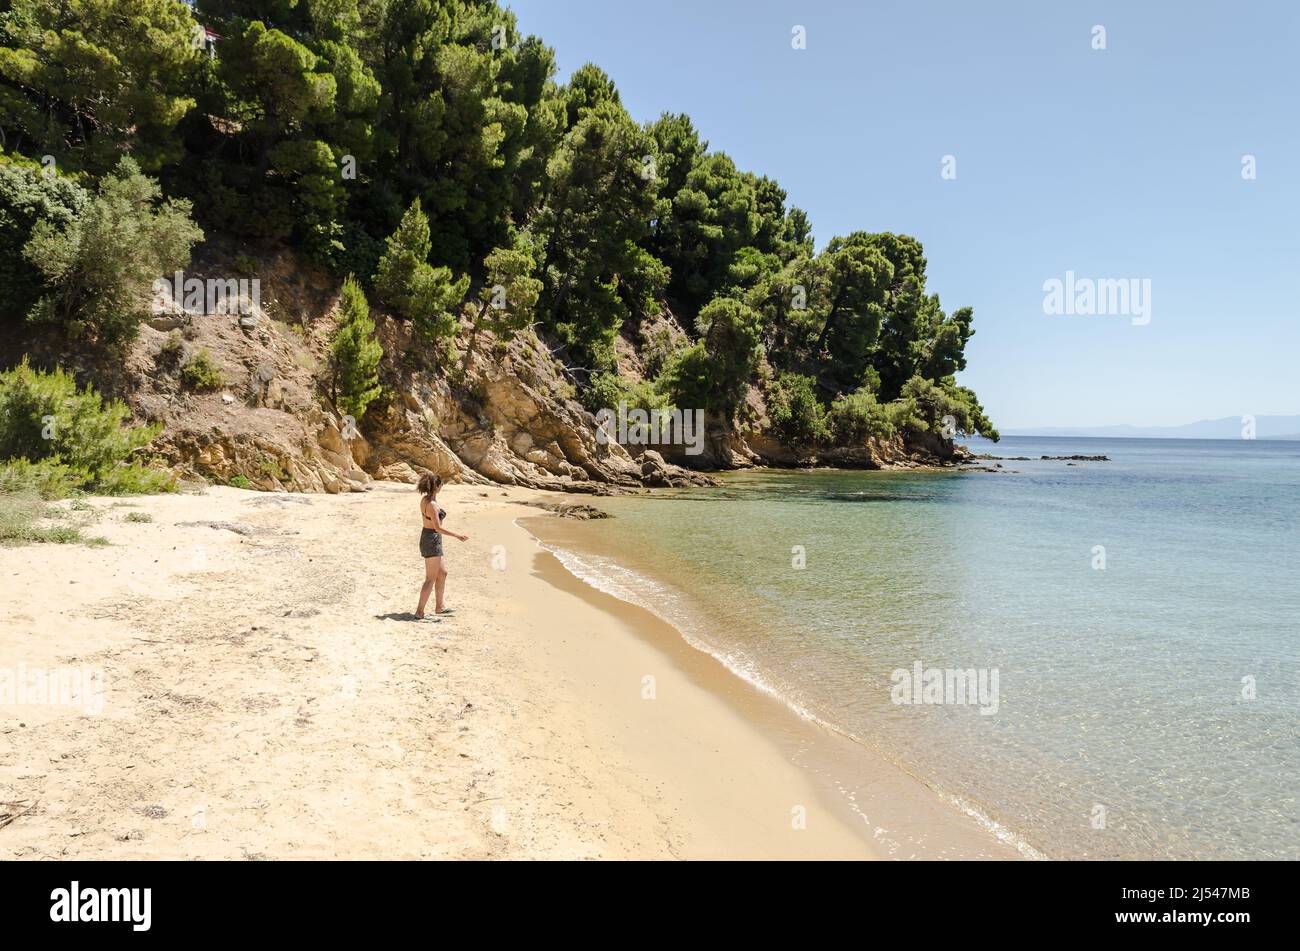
432 566
440 584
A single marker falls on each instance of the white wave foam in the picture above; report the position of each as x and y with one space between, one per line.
632 587
635 588
997 829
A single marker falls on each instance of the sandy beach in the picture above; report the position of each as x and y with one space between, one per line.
250 685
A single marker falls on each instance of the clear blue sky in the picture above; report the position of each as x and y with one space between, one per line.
1123 163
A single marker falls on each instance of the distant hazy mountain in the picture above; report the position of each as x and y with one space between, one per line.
1230 427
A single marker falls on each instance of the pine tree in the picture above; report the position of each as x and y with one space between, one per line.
354 353
508 297
425 295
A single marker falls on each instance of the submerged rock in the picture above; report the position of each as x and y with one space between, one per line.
580 512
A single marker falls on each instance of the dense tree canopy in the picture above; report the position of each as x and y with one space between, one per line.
28 195
600 202
85 80
427 147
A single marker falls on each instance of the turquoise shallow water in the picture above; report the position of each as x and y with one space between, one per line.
1150 709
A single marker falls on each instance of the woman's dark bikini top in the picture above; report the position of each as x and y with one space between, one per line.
442 513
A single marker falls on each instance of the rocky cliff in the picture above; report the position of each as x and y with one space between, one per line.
507 413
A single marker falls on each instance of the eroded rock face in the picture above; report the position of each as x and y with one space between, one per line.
268 423
512 420
269 459
501 414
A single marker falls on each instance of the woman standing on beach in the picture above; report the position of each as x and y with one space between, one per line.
435 573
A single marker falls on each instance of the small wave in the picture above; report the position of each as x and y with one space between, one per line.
632 587
997 829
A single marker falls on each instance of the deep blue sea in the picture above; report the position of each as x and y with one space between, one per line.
1135 624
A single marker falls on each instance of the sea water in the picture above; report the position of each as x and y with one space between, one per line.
1100 659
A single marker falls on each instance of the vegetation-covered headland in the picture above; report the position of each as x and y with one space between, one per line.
313 242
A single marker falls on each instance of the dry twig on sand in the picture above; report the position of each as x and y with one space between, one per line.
7 815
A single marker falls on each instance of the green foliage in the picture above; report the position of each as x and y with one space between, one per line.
139 518
48 478
97 265
594 274
355 251
19 515
609 390
974 420
910 313
170 352
29 195
798 419
658 350
87 80
789 301
425 295
857 279
714 373
943 408
354 354
240 482
722 230
687 377
274 91
329 124
710 220
589 87
720 367
202 374
603 391
272 469
466 121
944 353
507 300
135 479
44 416
904 416
59 439
859 319
21 512
856 417
642 281
510 293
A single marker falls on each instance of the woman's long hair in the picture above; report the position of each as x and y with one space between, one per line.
429 484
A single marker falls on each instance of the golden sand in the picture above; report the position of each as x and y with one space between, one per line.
263 696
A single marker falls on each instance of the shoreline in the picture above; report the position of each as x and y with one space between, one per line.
898 813
264 698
